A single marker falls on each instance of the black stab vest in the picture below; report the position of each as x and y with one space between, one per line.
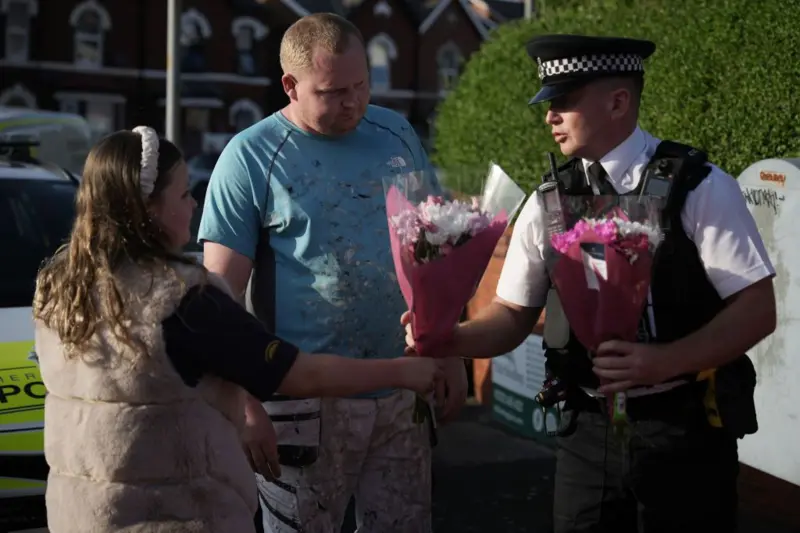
683 298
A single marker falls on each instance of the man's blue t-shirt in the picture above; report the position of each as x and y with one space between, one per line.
310 212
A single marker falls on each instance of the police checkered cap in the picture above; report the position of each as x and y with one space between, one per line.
591 63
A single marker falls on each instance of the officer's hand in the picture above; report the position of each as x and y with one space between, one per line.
627 365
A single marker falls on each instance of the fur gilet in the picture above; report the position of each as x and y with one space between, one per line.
131 448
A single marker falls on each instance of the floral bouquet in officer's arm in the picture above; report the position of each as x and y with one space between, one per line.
599 256
442 246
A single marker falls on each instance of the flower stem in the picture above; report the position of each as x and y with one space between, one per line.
619 409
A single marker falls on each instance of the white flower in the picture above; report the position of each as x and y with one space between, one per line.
451 221
626 227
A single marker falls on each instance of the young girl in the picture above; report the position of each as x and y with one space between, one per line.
147 357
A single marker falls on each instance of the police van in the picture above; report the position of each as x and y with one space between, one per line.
37 207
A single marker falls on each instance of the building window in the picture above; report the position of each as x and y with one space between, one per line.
244 113
246 31
18 96
90 21
195 31
448 61
18 15
381 52
105 113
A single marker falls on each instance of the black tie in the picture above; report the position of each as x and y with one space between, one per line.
598 180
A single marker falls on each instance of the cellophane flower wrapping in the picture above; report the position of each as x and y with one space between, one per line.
441 246
600 262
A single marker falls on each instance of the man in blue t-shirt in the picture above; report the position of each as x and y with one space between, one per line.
295 220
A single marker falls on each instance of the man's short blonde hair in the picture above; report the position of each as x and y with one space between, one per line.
327 31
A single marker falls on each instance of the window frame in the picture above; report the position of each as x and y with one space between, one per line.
385 42
448 73
24 31
96 39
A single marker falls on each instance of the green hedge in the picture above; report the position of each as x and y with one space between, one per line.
725 77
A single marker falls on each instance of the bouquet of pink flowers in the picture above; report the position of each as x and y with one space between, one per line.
628 238
436 227
442 246
601 270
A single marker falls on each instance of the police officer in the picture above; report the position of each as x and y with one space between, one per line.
689 383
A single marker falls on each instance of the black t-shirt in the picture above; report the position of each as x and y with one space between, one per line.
210 333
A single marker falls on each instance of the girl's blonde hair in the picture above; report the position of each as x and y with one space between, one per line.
76 290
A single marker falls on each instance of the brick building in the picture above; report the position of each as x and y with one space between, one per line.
106 60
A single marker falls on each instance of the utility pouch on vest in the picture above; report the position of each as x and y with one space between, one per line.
730 399
556 326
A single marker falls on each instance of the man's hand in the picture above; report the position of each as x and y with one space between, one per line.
626 365
451 393
260 441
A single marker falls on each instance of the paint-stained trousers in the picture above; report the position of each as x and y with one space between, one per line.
369 448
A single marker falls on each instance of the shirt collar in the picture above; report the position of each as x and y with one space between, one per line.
617 162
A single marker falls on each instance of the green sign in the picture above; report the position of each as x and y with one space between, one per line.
516 379
523 415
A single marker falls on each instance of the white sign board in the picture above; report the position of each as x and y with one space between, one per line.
517 378
772 191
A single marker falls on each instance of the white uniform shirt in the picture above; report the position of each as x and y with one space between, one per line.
715 218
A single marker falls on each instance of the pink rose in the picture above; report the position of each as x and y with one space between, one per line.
607 231
435 200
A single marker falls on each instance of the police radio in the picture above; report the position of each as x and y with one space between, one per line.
657 184
657 181
551 200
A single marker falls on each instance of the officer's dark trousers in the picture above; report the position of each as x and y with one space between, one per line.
678 474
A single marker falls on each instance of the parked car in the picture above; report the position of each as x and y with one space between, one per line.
61 138
37 208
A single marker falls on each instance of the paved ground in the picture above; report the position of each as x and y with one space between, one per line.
491 481
488 480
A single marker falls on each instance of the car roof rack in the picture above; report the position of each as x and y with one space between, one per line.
19 139
8 145
18 150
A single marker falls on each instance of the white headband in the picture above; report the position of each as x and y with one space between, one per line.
149 171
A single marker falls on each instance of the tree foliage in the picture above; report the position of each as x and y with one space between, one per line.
725 78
